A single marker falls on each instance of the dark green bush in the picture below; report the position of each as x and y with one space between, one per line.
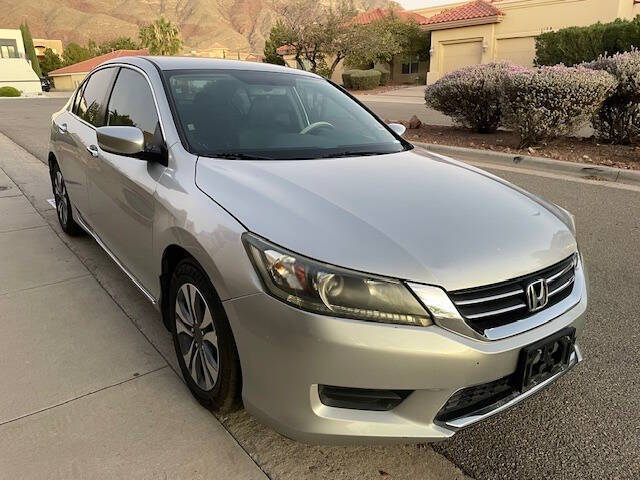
9 92
346 79
364 79
575 45
384 76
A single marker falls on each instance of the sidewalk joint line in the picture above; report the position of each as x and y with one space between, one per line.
44 285
50 407
23 228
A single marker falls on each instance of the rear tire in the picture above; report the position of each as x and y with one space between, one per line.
63 204
203 340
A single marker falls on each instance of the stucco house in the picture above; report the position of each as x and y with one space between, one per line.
484 31
15 68
69 77
41 44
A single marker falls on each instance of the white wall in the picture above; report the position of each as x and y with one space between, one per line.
17 72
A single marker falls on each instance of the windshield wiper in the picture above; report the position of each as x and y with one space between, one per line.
350 153
240 156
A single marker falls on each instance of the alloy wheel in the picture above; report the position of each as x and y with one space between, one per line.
197 338
60 192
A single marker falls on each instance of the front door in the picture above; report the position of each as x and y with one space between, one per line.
122 188
76 132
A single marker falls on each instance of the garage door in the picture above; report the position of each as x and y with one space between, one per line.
458 55
517 50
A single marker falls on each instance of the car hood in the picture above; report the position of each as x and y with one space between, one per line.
408 215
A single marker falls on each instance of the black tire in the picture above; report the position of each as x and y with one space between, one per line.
63 204
224 396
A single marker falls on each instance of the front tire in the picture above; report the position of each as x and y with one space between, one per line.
63 204
203 339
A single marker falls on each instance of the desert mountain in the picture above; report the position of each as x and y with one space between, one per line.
204 24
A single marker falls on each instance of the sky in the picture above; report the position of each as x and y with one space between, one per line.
412 4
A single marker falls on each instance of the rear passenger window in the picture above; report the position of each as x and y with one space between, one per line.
132 105
91 106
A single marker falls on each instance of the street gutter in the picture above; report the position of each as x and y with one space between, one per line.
582 170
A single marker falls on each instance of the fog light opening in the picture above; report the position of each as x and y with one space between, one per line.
361 398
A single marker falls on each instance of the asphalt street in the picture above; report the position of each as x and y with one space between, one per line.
585 426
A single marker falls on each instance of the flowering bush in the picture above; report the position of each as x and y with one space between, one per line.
471 95
552 101
619 118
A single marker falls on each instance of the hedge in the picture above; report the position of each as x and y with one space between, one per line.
364 79
471 95
9 92
384 76
552 101
346 79
619 118
574 45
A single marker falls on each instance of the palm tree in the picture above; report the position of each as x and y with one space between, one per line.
160 37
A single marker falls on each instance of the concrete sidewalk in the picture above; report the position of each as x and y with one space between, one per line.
84 413
83 393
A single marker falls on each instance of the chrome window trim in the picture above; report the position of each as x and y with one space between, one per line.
131 67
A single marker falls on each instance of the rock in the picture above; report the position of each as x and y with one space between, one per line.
531 150
414 122
404 122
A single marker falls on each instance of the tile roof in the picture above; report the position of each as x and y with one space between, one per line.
468 11
376 14
87 65
286 50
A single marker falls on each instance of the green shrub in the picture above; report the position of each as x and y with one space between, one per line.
618 120
552 101
574 45
384 76
346 79
364 79
471 95
9 92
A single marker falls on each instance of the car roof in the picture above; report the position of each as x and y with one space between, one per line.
198 63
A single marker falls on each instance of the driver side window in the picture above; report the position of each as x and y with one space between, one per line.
132 105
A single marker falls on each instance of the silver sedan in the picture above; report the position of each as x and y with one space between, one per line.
311 264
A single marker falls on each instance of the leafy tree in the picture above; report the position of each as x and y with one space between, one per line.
50 62
119 43
382 40
161 37
75 53
277 38
29 49
316 31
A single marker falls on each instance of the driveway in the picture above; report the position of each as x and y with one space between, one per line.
586 426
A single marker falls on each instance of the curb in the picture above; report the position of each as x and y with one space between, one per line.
584 170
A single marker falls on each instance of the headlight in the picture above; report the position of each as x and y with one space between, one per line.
328 290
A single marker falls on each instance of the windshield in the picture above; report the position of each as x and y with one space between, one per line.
272 115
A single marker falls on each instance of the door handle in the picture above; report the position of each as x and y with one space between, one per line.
62 128
93 150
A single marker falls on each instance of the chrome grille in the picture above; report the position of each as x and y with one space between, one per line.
500 304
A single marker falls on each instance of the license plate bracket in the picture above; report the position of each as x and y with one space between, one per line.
544 359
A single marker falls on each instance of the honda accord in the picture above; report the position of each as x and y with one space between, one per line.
311 264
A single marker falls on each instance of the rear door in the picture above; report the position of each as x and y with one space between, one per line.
77 130
122 188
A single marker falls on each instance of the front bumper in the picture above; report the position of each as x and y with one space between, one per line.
285 353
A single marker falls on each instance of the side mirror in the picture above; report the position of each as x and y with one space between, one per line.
121 140
398 128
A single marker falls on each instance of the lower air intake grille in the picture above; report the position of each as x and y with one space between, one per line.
503 303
